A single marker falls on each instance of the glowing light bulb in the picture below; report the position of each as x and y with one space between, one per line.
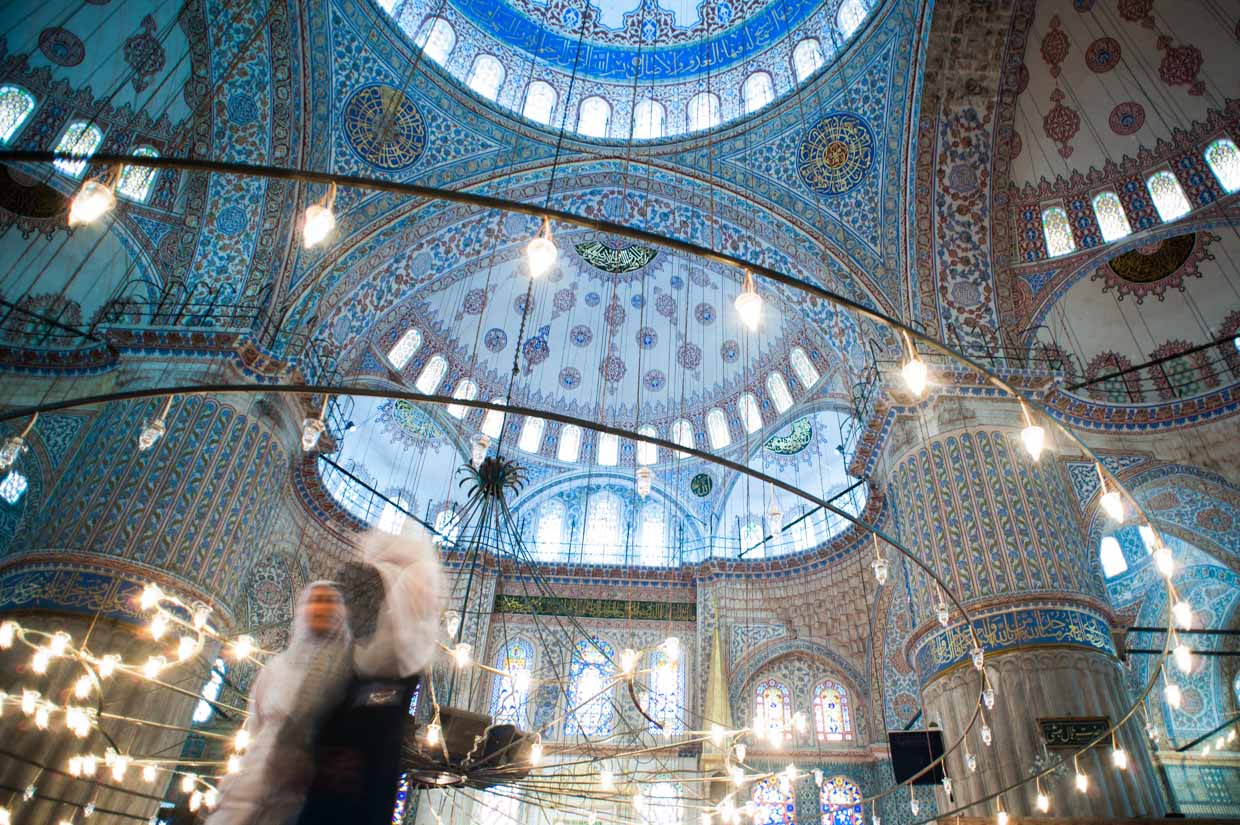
119 766
433 733
319 221
1119 758
75 765
107 665
1112 505
30 699
29 793
311 429
153 666
462 654
774 518
59 643
148 773
988 698
947 787
152 431
536 753
1035 440
913 806
201 616
6 818
671 648
234 764
478 446
1002 817
1182 612
716 735
915 376
42 718
195 800
639 801
1042 802
740 750
1183 657
151 596
607 780
1082 782
987 737
8 632
978 656
159 625
521 681
81 688
942 613
1148 537
1164 560
89 809
90 765
243 647
92 202
1172 694
11 450
38 662
880 567
628 660
541 252
644 481
970 761
188 781
242 740
749 304
210 797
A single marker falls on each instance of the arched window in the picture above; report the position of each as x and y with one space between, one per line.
751 415
16 104
806 372
649 118
647 453
850 17
604 536
832 721
549 537
437 39
1057 231
135 181
773 803
432 375
772 711
392 517
717 429
1112 557
80 139
661 805
1221 155
806 58
486 76
466 390
1168 197
703 111
13 486
665 700
607 450
652 536
682 434
840 800
591 711
593 117
511 693
757 91
777 389
751 536
1111 218
493 421
570 443
531 434
540 100
404 348
210 692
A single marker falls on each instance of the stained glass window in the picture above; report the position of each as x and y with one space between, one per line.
591 712
1112 557
840 791
493 421
16 104
604 536
466 390
1057 231
757 91
682 433
751 416
486 76
570 443
647 453
850 17
1111 218
1224 162
652 535
717 429
13 486
511 693
773 803
607 452
432 375
404 348
649 118
773 709
664 699
1168 197
540 101
210 692
135 181
593 116
402 799
549 537
437 39
832 721
531 434
777 389
82 140
806 372
703 111
806 58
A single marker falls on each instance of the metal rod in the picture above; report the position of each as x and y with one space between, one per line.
1157 362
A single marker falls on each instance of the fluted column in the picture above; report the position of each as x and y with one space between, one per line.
1004 532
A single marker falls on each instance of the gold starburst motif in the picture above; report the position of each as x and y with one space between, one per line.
835 154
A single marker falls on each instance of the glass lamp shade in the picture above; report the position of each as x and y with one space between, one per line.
749 308
915 376
319 222
1182 612
880 567
644 480
1119 758
1043 802
13 447
943 614
1112 505
1172 694
91 203
152 431
1183 658
311 429
774 519
541 255
478 446
1035 440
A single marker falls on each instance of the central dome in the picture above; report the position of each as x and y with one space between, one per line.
624 69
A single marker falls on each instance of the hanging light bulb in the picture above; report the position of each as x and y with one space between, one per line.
536 753
39 662
737 773
88 810
434 733
6 818
234 764
478 446
30 700
716 735
541 252
119 766
987 737
8 633
1032 435
1110 501
978 656
59 643
644 479
740 750
521 681
195 800
1042 802
243 647
1171 692
107 665
1164 560
913 806
148 773
81 688
75 765
1082 781
320 219
159 625
749 304
942 613
1182 612
210 797
151 596
970 761
94 200
880 566
186 648
628 661
153 666
12 449
1151 732
914 370
461 654
152 431
1119 757
242 740
988 697
947 787
671 648
188 781
774 517
1183 657
311 429
1001 818
42 717
90 765
607 780
29 793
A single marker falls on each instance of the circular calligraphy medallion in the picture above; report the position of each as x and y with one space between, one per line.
701 485
835 154
383 127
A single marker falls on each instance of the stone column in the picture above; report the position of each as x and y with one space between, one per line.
1003 531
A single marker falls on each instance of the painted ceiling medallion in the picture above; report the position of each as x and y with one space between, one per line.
1153 268
615 260
408 425
793 440
384 128
835 154
701 485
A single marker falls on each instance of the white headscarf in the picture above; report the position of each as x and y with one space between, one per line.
312 673
407 630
